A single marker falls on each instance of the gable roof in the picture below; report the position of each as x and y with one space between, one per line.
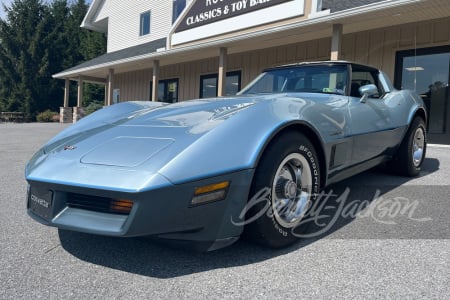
89 19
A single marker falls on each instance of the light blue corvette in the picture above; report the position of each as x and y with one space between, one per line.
199 170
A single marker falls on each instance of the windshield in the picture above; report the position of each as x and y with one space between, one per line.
329 79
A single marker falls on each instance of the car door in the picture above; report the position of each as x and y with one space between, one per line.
372 127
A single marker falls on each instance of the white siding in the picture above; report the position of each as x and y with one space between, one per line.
124 17
103 11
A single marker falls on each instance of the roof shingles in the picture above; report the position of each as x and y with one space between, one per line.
138 50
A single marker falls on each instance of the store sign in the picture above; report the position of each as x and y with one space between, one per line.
207 18
205 12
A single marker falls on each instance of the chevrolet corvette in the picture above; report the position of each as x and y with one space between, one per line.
206 170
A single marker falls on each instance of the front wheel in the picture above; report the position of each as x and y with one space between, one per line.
289 174
411 152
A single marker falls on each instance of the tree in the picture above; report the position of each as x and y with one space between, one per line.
90 45
21 55
38 40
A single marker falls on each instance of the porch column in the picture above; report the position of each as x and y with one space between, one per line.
78 111
336 42
110 87
80 92
65 112
221 82
155 80
66 92
105 101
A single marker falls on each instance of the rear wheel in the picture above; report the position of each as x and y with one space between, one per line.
289 173
411 152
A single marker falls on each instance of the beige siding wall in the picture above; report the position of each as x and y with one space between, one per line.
133 85
376 48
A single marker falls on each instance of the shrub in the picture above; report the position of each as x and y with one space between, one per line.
55 118
47 116
93 106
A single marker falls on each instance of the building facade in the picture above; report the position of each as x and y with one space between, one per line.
179 50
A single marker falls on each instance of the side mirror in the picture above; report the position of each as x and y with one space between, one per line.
366 91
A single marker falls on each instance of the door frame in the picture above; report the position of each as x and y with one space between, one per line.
439 138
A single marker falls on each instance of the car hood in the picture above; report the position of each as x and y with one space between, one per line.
132 140
133 146
136 137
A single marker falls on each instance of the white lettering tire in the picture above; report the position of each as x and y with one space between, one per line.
289 172
411 153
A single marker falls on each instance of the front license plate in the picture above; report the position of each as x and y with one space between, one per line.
40 202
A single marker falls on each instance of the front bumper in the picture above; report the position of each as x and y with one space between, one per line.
164 212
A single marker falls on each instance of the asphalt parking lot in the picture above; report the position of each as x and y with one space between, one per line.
382 236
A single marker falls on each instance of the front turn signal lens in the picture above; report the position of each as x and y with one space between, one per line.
210 193
121 206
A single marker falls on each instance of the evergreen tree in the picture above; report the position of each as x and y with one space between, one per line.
38 40
90 45
22 55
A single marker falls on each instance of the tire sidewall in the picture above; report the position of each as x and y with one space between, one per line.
413 170
272 231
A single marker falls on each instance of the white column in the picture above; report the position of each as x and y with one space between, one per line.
110 84
336 42
155 80
80 92
106 93
221 82
66 92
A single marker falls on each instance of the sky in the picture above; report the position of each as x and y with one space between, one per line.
8 3
2 12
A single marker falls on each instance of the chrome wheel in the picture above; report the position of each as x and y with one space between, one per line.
289 175
418 147
291 190
411 153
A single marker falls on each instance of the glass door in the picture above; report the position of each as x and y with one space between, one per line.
427 71
167 90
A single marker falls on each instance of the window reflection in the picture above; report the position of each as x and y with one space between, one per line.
209 84
428 75
177 9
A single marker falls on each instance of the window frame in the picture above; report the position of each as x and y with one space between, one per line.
374 73
216 77
206 77
142 29
166 83
176 12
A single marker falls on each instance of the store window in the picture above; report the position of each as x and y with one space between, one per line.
427 72
145 23
209 84
177 9
167 90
